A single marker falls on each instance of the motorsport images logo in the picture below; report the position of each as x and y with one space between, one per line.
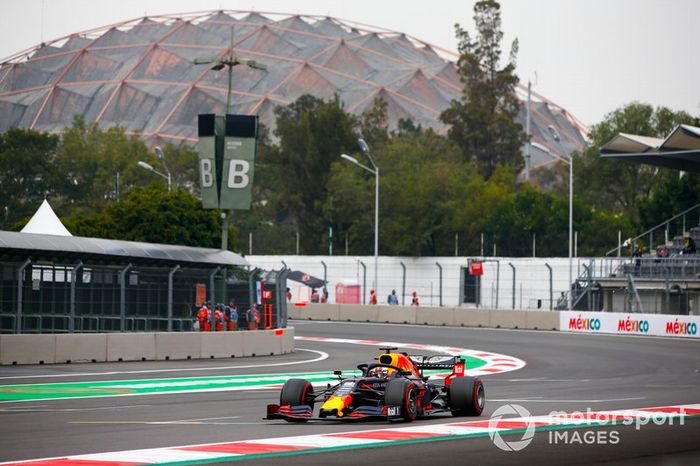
497 420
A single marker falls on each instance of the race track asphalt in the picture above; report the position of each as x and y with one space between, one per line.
564 372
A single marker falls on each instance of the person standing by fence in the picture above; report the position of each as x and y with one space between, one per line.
392 298
414 299
203 318
253 317
231 316
219 318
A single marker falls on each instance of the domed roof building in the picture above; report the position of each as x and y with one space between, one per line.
141 75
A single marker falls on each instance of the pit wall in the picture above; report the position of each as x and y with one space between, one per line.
103 347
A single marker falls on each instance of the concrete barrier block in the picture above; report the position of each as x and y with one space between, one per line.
27 349
80 347
542 320
286 339
131 346
396 314
469 317
502 318
435 316
222 344
186 345
294 312
315 311
325 311
358 313
261 343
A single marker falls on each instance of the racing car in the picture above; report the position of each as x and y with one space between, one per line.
392 387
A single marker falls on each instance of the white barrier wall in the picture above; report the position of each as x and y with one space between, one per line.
423 315
102 347
630 324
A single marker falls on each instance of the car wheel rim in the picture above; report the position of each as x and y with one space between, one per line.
480 397
411 402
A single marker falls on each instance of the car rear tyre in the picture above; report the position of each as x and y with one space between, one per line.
296 392
402 393
467 396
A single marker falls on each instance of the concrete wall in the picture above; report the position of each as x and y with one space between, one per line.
102 347
447 316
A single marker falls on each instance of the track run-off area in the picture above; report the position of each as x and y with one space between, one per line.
560 398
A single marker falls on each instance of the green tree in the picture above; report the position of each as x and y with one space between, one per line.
91 160
374 124
483 123
673 195
312 133
616 185
153 215
27 173
424 189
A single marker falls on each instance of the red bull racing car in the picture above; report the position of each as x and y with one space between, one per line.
392 387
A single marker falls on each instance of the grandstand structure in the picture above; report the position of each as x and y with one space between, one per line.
140 74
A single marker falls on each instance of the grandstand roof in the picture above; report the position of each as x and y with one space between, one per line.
139 74
680 150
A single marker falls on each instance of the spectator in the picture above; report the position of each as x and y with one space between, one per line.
392 298
253 317
314 296
219 318
689 245
324 295
372 297
231 316
289 295
414 299
203 318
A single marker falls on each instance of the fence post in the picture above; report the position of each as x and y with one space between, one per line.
122 298
403 285
513 267
170 297
20 284
73 280
282 298
212 297
498 280
364 282
551 297
440 283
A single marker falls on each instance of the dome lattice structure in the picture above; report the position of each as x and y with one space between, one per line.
140 74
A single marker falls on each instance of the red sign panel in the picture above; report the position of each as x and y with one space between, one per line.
476 268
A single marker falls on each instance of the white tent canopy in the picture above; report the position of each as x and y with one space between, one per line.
44 221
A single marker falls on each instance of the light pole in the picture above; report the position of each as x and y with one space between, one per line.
229 59
555 135
161 157
148 167
375 171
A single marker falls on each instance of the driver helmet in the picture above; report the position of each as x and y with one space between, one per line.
382 372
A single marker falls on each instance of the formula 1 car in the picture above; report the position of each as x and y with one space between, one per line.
393 387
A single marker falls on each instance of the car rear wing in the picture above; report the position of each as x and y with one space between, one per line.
436 362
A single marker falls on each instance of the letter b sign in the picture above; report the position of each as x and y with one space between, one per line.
238 174
205 170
